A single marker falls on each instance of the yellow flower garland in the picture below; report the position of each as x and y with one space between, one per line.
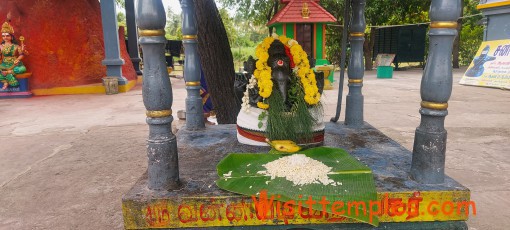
303 71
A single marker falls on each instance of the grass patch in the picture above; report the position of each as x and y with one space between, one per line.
241 54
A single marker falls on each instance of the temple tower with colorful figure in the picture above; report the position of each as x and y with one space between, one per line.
305 21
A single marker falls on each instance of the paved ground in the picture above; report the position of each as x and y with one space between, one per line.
65 161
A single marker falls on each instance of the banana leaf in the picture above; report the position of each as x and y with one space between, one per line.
238 174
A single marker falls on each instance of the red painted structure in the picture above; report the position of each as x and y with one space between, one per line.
291 13
64 40
305 21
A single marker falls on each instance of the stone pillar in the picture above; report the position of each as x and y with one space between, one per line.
354 100
194 111
132 35
163 170
112 60
429 148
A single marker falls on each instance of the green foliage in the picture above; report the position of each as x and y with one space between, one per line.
173 29
334 44
241 54
259 12
121 3
261 117
294 124
243 36
377 12
121 21
334 33
388 12
471 36
470 9
228 23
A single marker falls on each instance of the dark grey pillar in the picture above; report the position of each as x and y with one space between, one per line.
436 87
132 35
112 60
163 167
354 100
194 111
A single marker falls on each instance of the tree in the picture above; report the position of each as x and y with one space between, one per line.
173 25
230 26
456 42
377 13
121 19
334 32
217 62
471 32
121 3
259 11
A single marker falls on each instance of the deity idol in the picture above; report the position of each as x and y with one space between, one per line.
282 97
11 55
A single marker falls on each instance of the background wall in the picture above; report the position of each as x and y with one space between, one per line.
64 39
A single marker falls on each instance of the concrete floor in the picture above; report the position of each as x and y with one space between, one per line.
67 160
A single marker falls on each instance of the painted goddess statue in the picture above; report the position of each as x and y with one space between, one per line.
11 55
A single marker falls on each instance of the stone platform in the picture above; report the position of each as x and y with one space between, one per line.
200 203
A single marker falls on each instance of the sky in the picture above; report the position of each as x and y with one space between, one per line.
174 4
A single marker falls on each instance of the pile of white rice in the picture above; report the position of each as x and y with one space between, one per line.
299 169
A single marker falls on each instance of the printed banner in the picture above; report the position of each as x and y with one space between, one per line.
491 66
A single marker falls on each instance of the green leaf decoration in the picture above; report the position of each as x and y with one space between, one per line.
262 115
353 182
260 124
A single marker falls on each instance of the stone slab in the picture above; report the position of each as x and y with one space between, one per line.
200 203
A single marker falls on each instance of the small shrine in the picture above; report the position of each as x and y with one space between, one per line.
222 176
305 21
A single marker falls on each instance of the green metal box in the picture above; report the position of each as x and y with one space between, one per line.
384 71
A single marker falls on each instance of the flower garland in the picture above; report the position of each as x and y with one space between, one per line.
303 71
263 71
246 98
262 74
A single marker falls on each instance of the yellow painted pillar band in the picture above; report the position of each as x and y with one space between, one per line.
434 105
151 33
193 83
443 25
158 113
357 34
189 37
355 80
492 5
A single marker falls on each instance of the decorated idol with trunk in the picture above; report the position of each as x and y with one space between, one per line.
281 103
